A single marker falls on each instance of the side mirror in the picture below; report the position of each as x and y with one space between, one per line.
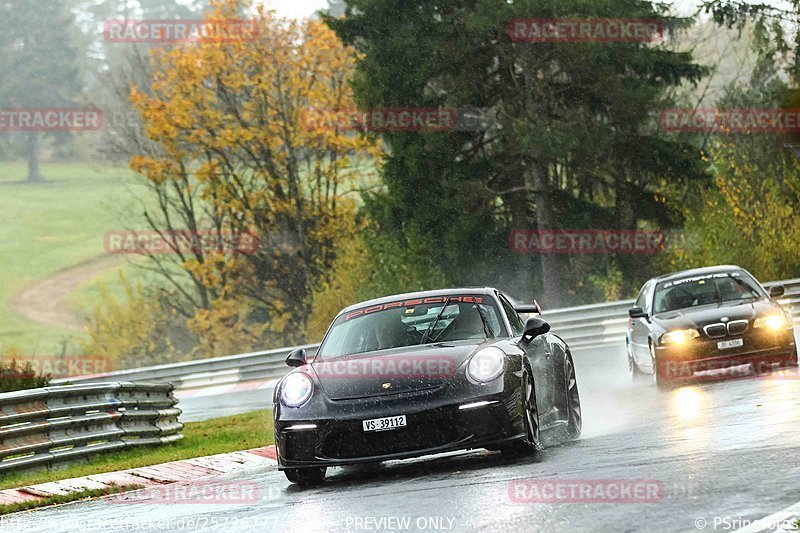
777 291
296 357
535 327
637 312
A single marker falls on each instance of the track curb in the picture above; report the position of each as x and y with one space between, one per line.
149 476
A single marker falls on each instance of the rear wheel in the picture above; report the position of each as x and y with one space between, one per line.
305 476
530 421
575 419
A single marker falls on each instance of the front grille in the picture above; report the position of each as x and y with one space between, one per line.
715 331
350 444
737 327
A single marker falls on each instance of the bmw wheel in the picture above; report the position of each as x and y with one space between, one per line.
658 378
634 373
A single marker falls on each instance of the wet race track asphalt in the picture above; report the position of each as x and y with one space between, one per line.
715 452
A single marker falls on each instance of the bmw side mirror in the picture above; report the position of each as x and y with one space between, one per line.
777 291
535 327
296 357
637 312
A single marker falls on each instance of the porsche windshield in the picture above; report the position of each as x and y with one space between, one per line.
409 323
705 290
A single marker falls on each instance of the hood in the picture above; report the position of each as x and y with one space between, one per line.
393 371
697 317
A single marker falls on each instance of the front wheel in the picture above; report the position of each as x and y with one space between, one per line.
305 476
634 372
530 421
658 377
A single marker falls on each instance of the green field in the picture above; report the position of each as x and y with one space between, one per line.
50 226
208 437
59 224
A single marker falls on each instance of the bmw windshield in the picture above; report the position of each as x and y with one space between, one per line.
705 290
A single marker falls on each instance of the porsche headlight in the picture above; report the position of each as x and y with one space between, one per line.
773 322
296 389
486 365
679 336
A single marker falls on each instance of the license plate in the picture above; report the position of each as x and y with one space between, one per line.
385 424
727 345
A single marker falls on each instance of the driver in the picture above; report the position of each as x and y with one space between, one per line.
390 330
467 324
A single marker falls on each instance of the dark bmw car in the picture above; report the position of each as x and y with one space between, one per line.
424 373
705 320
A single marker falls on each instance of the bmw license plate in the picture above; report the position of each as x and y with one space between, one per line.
727 345
385 424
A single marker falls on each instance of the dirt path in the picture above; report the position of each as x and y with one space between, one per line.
46 300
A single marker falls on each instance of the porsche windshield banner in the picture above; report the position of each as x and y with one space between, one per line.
411 303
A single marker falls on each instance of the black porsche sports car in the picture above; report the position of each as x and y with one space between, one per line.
704 320
424 373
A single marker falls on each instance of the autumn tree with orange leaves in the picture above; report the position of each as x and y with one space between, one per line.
230 150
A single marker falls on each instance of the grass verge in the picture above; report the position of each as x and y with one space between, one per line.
66 498
209 437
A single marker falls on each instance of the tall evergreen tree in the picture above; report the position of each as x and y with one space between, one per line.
572 138
37 63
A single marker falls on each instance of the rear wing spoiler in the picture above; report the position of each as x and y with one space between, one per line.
533 308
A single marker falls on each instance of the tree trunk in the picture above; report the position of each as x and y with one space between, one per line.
545 221
32 153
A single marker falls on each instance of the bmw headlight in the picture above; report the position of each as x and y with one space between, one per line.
296 389
773 322
679 336
486 365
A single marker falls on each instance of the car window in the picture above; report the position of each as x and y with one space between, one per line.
409 323
641 300
706 290
517 326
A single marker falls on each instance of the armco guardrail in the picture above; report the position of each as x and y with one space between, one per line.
55 424
584 327
594 326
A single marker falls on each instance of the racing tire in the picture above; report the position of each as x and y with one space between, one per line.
305 477
659 379
575 417
634 372
530 422
571 430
